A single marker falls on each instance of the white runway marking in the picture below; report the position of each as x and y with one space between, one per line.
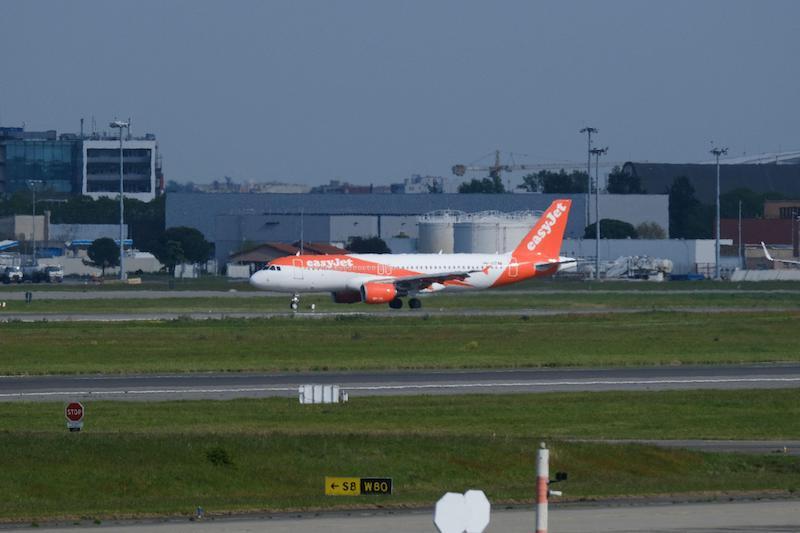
577 383
152 391
427 386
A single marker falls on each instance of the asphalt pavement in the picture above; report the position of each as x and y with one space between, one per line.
731 517
17 293
221 386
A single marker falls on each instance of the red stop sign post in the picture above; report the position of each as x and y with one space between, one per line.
74 415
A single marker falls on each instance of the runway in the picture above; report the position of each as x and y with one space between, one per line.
94 293
730 517
225 386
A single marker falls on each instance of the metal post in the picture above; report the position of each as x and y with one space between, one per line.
588 131
122 274
32 184
33 222
716 245
597 214
542 482
741 246
597 153
717 152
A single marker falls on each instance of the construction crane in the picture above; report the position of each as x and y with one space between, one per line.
494 170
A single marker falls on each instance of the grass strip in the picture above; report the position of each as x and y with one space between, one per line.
369 343
272 454
103 476
695 414
492 301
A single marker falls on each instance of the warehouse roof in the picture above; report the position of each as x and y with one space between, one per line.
198 210
658 177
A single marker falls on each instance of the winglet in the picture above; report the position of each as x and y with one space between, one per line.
766 253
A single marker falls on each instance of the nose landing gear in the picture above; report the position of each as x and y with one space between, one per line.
295 303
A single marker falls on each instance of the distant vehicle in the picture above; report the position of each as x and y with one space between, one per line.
12 274
53 274
386 278
769 257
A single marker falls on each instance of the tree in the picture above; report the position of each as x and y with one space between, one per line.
103 253
174 186
650 230
611 229
487 185
145 220
752 203
688 218
620 182
560 182
171 254
181 244
368 245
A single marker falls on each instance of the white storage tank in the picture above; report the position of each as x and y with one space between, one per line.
515 227
477 233
491 231
436 232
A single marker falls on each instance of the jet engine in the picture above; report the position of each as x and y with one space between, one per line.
378 293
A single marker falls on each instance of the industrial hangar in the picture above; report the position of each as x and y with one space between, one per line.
763 173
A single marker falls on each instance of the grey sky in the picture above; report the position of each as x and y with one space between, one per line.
374 91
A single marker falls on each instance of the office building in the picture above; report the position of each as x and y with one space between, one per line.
75 164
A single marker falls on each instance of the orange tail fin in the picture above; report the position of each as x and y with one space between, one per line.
544 240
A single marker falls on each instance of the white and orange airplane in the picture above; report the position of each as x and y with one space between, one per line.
386 278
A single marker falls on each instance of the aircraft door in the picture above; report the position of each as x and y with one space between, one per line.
298 268
513 268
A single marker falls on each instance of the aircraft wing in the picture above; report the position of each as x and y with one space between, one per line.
770 258
423 281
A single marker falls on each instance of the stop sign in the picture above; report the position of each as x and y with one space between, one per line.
74 412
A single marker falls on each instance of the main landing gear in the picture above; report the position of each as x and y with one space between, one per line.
413 303
295 302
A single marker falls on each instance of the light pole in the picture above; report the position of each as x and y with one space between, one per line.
597 152
588 130
32 184
122 274
717 152
740 254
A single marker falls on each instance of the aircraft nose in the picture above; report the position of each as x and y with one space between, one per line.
259 279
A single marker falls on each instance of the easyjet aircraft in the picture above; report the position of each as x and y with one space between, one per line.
386 278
